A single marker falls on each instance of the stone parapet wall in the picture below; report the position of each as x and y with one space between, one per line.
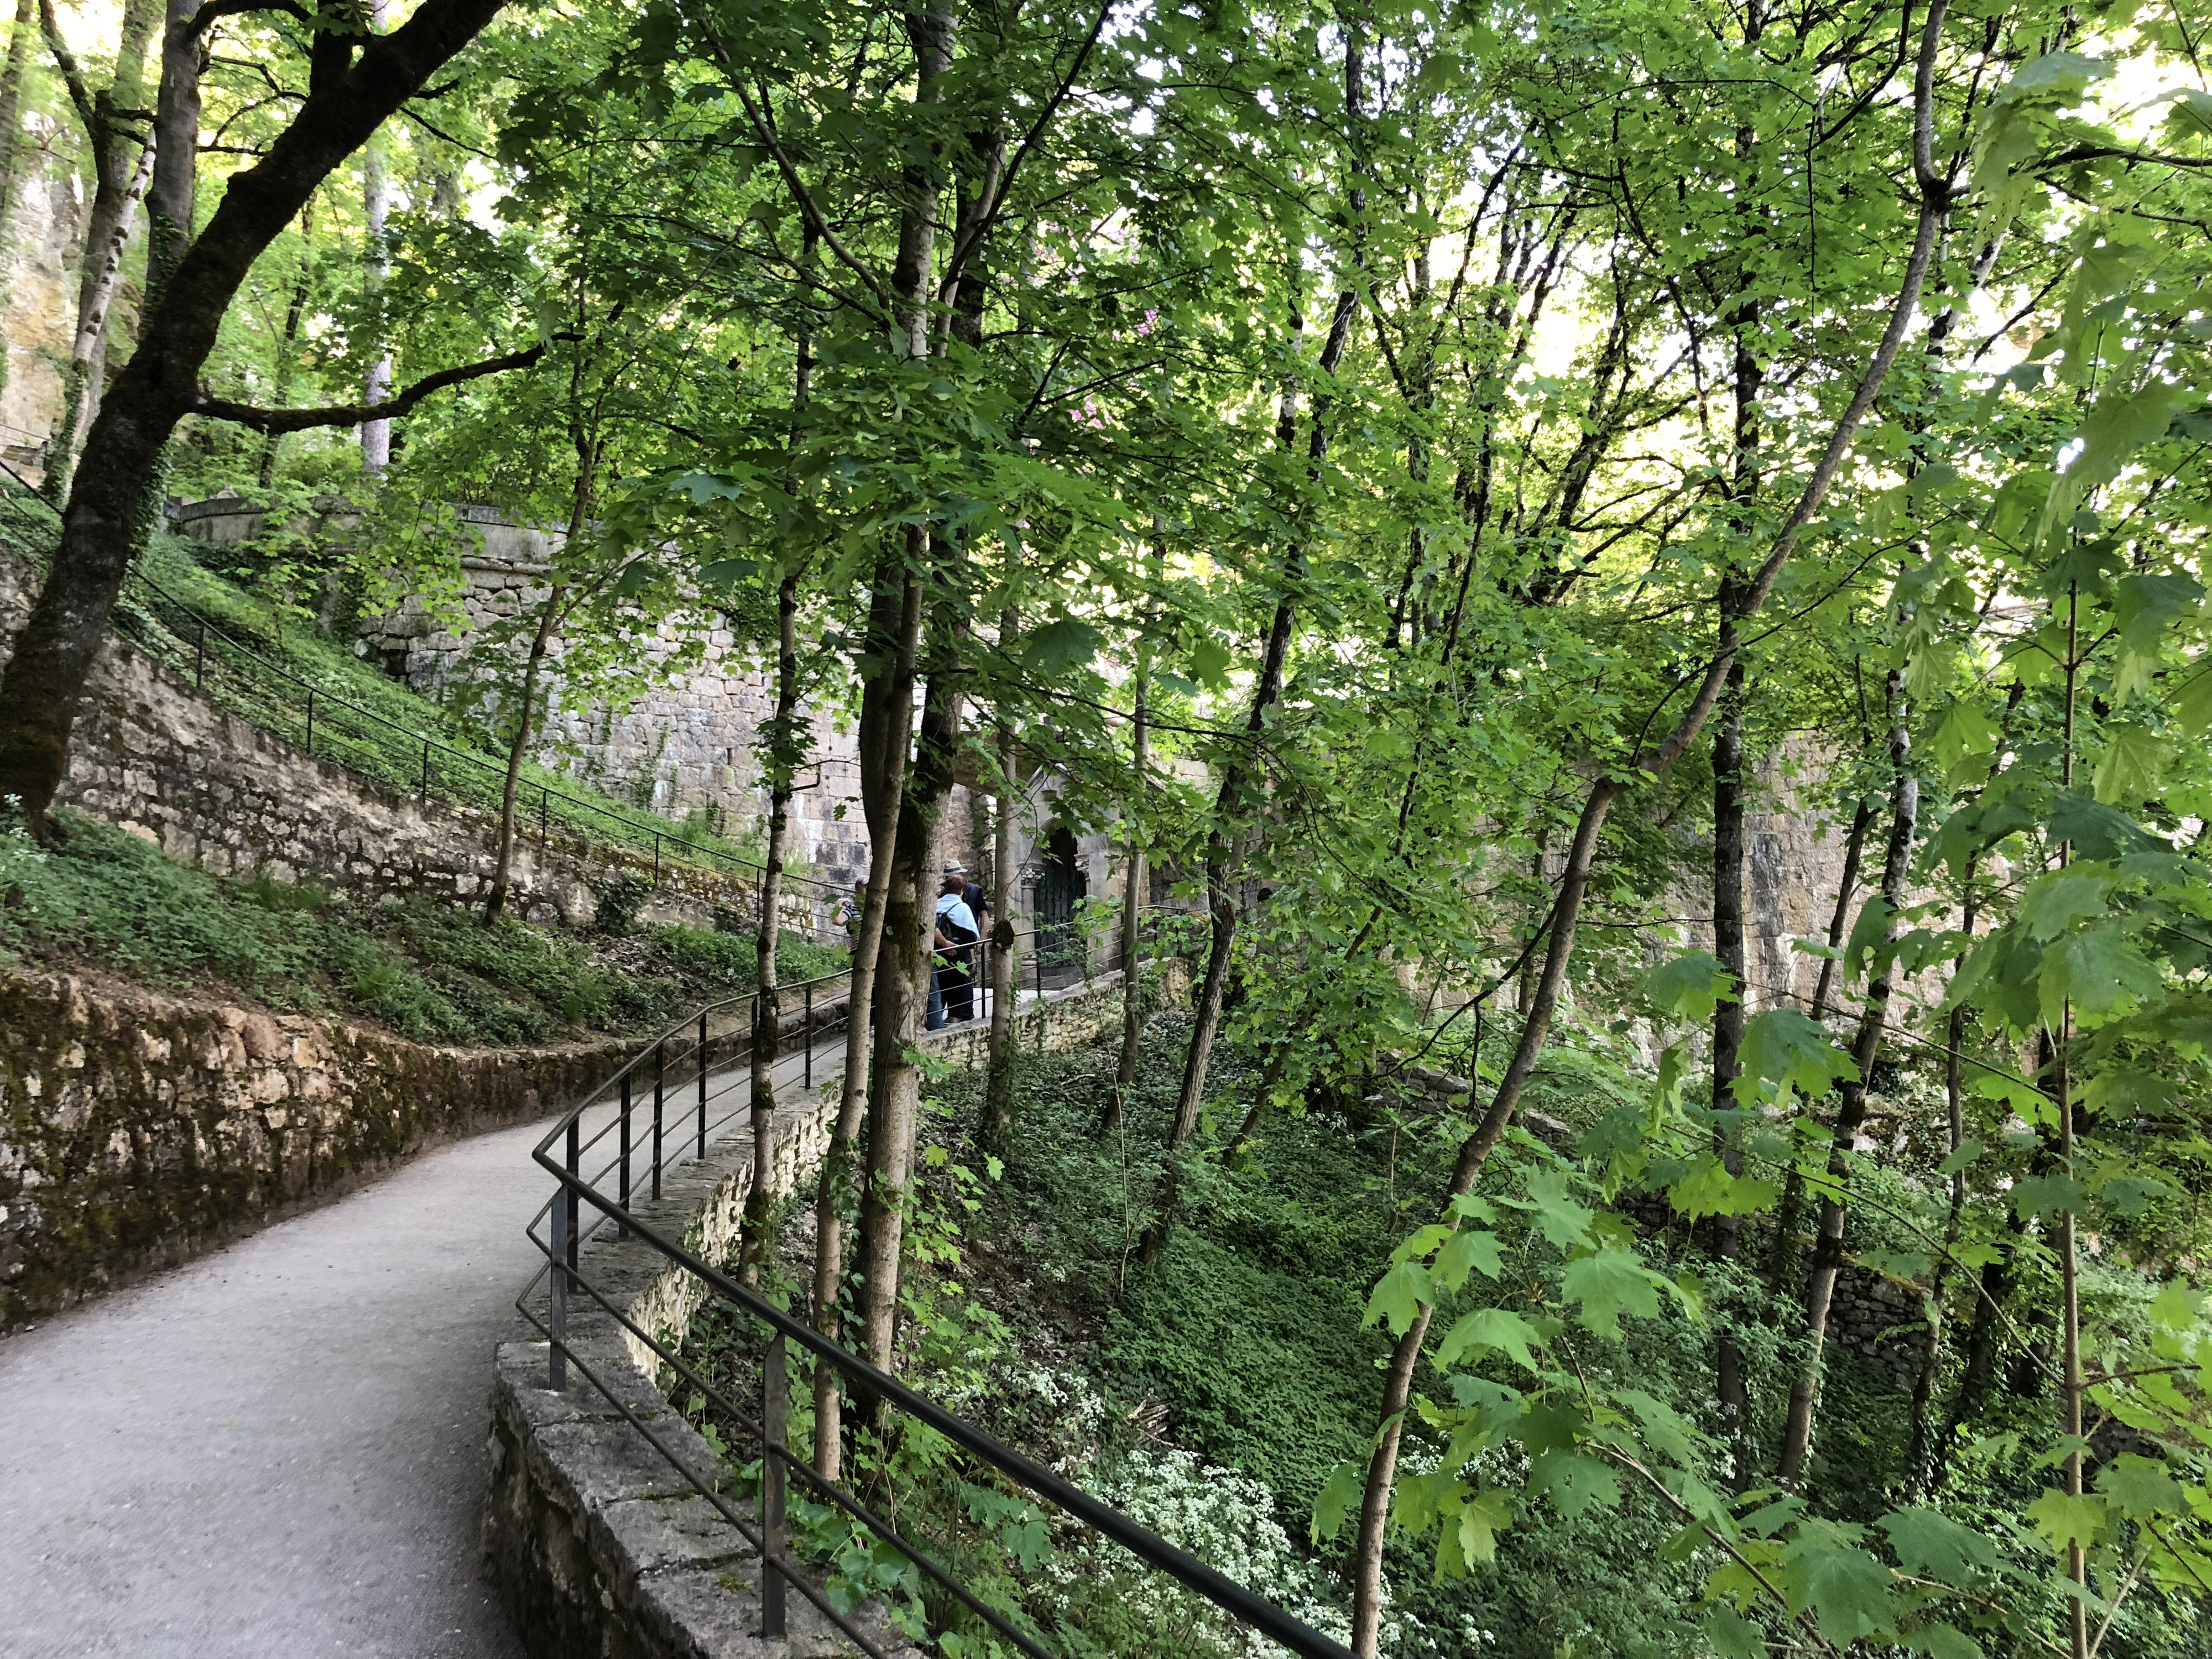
138 1130
596 1528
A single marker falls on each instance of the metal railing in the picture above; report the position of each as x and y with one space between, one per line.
398 755
684 1053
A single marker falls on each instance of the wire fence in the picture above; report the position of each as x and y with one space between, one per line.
607 1154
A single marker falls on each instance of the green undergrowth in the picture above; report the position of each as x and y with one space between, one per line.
103 900
1226 1395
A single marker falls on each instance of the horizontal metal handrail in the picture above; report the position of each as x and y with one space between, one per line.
562 1273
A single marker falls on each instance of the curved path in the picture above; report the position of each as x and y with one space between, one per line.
278 1451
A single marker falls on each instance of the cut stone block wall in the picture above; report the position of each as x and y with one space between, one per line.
138 1130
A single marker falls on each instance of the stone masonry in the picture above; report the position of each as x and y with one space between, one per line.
138 1130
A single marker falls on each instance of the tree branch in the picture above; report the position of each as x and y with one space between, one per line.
72 76
300 419
208 13
965 248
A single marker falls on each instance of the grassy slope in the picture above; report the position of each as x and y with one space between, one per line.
1248 1346
386 747
103 900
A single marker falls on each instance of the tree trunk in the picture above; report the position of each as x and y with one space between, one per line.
910 905
1920 1461
13 149
1231 803
755 1244
1850 1107
104 269
1782 1264
1730 1389
376 209
549 616
117 188
786 750
998 1079
173 197
1473 1153
895 1086
1132 900
886 717
281 390
103 526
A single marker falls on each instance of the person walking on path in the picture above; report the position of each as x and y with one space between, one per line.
953 988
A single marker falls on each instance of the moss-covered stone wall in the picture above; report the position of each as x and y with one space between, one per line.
138 1130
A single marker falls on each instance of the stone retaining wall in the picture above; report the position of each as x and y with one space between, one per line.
138 1130
209 787
600 1546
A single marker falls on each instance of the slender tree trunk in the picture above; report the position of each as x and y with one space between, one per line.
281 390
1731 1388
104 269
117 187
886 717
591 450
1132 900
375 210
999 1077
13 150
2072 1385
894 1088
1475 1152
786 748
910 907
1782 1264
755 1244
1398 1378
1850 1107
1231 804
172 199
103 525
518 747
1920 1460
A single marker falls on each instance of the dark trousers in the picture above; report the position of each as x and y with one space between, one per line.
955 985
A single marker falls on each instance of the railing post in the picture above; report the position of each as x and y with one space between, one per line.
806 1036
774 1396
557 1358
199 660
425 769
622 1143
656 858
702 1083
660 1065
564 1272
545 802
311 720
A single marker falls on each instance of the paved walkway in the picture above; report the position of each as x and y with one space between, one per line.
278 1451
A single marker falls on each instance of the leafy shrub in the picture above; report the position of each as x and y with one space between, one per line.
620 897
